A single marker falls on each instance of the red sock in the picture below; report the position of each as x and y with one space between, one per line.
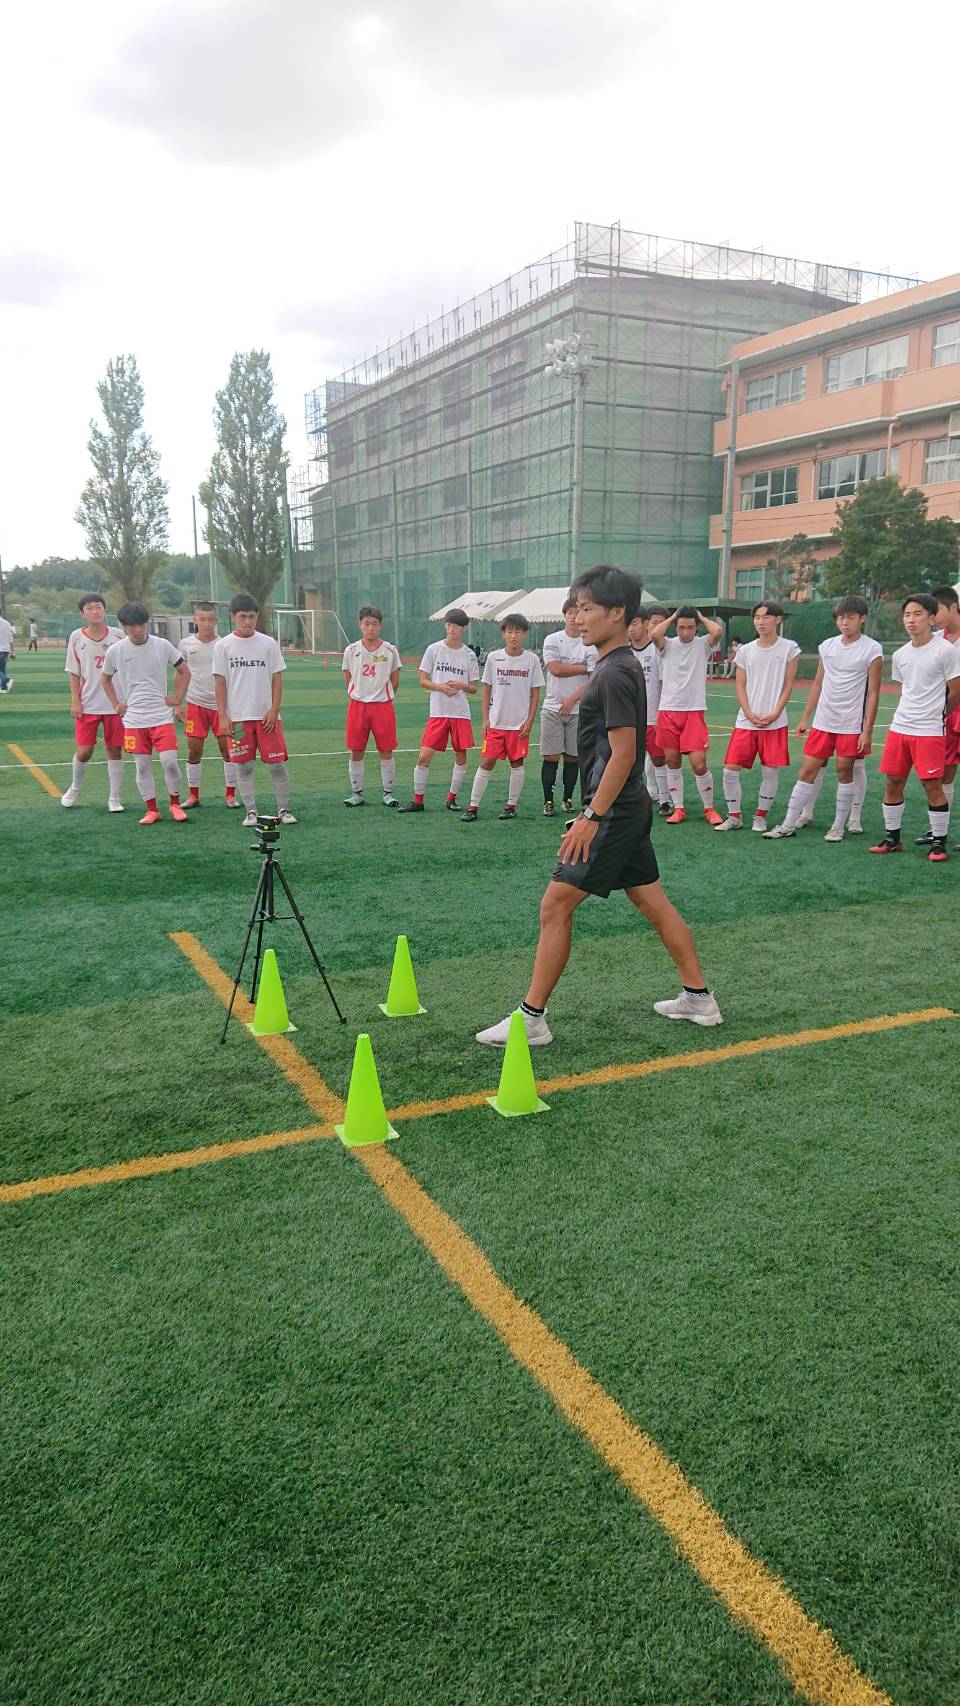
151 805
418 799
229 794
174 799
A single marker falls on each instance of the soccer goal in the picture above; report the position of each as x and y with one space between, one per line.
295 630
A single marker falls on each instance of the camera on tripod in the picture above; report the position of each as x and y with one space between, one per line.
267 832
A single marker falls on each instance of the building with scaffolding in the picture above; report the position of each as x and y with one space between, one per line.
469 455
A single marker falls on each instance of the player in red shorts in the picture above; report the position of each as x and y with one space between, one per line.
948 625
681 726
137 667
512 679
89 705
201 716
928 669
448 672
766 672
371 671
248 675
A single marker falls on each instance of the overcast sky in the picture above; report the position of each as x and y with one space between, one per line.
185 180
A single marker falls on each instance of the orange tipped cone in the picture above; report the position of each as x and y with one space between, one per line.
518 1091
270 1017
365 1119
402 1001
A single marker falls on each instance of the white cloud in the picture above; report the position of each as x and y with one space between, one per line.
32 280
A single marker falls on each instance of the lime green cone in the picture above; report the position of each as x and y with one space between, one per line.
270 1017
402 1001
518 1091
365 1119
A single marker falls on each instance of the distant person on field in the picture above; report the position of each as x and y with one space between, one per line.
448 672
33 644
510 693
371 673
681 725
650 659
248 676
201 716
567 663
948 627
730 661
90 708
134 677
766 672
8 649
928 670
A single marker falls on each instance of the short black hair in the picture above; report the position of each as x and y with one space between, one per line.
91 598
609 586
243 601
369 610
688 611
924 598
770 605
656 610
569 604
204 604
946 595
132 615
515 621
852 605
459 616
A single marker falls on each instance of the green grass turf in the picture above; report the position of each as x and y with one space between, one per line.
259 1449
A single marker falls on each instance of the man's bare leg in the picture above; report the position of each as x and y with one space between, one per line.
673 932
559 903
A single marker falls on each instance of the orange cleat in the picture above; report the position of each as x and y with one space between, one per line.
177 812
679 816
151 815
713 817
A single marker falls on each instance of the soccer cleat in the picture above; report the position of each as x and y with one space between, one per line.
925 839
665 808
191 801
712 816
414 806
285 815
537 1029
854 826
549 809
470 815
451 803
250 821
9 686
759 824
71 796
731 822
177 812
508 814
389 800
699 1009
568 805
834 833
938 850
891 843
150 817
779 832
679 816
114 805
355 800
804 820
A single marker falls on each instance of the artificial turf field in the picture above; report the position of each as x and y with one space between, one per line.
258 1446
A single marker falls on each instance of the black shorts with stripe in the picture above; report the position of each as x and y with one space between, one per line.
621 856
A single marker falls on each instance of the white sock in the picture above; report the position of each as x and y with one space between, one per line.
280 777
892 816
948 788
650 775
388 774
800 801
859 784
733 792
663 783
193 776
79 772
145 782
815 787
769 783
939 819
420 774
705 789
246 786
170 765
481 783
229 774
456 778
355 772
675 788
115 773
515 788
845 792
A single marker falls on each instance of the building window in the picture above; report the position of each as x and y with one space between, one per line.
346 518
749 585
455 391
507 481
414 405
342 449
840 476
946 344
511 394
769 489
507 521
942 461
506 356
378 512
376 427
416 503
455 492
774 389
866 365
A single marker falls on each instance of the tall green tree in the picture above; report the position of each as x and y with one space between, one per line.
792 569
243 493
888 547
123 506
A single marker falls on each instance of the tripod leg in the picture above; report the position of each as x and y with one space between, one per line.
266 917
298 915
236 982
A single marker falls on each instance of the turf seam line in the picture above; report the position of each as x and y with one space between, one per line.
807 1653
146 1166
26 763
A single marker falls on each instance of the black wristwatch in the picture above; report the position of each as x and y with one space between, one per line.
590 815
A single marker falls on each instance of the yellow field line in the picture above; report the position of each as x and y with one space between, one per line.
35 770
295 1069
808 1654
144 1166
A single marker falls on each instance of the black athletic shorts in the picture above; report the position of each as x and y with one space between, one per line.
621 857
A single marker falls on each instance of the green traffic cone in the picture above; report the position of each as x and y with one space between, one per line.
270 1017
518 1091
402 1000
365 1119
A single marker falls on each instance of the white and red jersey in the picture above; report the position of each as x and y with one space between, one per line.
141 680
85 657
370 672
923 673
248 664
450 663
511 682
843 692
650 659
198 654
765 668
684 684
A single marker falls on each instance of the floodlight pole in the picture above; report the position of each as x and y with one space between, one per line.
196 549
723 576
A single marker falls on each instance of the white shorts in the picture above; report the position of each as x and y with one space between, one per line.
558 735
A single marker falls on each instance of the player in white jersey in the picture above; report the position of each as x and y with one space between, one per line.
766 672
948 625
248 676
512 679
842 703
928 670
8 648
90 708
681 726
448 672
567 664
371 672
201 716
134 677
650 659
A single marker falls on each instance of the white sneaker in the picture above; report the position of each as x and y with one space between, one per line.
388 800
729 823
114 805
538 1031
71 796
779 832
355 800
699 1009
834 833
804 820
250 821
286 815
759 825
854 826
9 684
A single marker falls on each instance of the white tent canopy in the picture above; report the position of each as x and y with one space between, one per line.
479 606
545 603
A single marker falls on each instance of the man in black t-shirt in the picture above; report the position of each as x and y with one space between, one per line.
608 846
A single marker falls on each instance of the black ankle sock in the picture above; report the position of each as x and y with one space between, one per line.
532 1012
689 991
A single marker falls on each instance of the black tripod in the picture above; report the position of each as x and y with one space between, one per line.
262 913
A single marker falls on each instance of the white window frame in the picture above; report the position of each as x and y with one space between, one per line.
831 387
935 457
860 477
771 500
780 385
940 356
